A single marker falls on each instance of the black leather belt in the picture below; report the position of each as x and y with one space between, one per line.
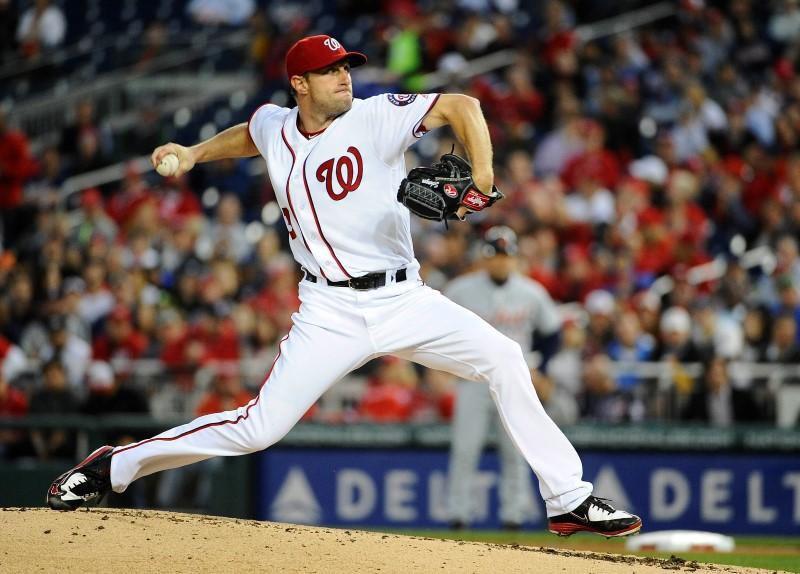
363 283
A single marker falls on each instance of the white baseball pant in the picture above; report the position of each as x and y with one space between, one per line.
336 330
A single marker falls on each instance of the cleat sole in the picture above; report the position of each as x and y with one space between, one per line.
568 529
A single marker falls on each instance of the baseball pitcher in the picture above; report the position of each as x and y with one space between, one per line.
337 166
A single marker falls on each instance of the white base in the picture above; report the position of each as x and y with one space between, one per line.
681 541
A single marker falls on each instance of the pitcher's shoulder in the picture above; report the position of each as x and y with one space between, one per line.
265 125
269 113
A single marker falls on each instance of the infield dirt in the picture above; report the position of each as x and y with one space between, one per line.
134 541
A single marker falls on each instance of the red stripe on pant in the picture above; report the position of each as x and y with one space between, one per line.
218 423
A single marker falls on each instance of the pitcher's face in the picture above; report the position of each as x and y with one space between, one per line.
330 90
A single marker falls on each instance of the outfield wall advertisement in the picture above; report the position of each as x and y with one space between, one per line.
407 489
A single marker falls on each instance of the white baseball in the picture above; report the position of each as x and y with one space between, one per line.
168 165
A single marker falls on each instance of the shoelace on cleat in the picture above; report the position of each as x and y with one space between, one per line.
602 504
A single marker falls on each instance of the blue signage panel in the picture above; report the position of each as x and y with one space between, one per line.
408 488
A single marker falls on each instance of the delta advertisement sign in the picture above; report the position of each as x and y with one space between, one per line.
408 489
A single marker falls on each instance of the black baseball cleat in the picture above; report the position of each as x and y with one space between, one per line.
89 480
595 515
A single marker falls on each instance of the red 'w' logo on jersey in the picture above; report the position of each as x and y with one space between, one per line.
348 175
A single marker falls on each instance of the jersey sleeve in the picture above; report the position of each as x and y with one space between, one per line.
261 123
399 122
547 320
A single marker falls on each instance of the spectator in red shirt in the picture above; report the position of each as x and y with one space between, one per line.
559 40
524 103
392 395
173 339
578 277
16 164
516 102
685 218
222 341
211 338
595 161
226 394
120 341
133 193
542 258
13 403
655 253
172 336
762 183
440 387
16 167
177 204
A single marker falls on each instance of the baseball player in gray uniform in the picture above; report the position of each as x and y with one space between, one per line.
337 166
517 307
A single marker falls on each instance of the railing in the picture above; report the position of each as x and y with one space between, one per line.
92 431
86 47
624 22
46 114
175 392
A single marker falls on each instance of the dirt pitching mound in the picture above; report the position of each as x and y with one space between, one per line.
133 541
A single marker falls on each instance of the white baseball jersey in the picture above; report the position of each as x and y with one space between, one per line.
338 190
517 308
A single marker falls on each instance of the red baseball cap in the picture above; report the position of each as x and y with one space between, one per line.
316 52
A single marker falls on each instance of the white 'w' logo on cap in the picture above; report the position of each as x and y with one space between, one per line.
332 43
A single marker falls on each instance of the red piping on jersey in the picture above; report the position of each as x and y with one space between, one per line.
419 125
289 198
314 212
240 418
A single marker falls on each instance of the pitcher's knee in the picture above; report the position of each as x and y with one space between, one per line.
265 432
507 358
255 443
508 353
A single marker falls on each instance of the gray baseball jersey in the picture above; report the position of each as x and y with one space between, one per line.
517 308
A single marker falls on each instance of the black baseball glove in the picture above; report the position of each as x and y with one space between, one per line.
438 191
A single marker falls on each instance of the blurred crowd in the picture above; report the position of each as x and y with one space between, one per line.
664 152
26 31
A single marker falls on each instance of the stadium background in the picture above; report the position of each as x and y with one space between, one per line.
648 154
